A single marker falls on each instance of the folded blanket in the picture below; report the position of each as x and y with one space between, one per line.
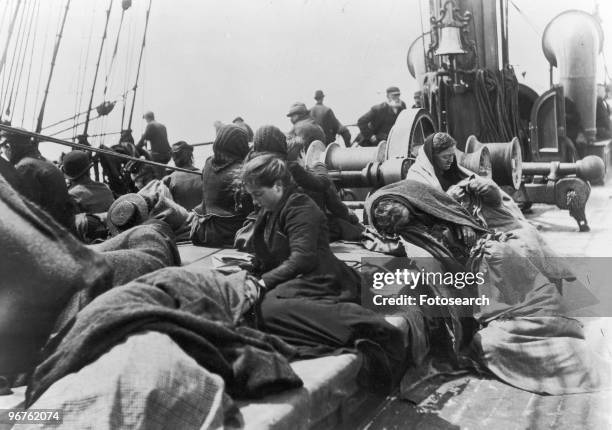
198 310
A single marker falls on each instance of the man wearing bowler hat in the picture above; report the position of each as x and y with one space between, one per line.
376 124
90 196
157 136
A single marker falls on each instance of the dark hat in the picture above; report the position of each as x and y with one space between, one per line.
393 90
181 146
269 138
319 94
16 138
298 108
149 115
237 119
75 164
126 212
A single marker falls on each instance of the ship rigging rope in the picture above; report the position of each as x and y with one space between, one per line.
41 114
5 10
14 59
128 63
40 70
30 67
81 85
42 138
93 86
10 34
112 62
526 18
76 115
142 47
23 61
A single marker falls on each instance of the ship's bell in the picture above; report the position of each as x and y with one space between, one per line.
450 41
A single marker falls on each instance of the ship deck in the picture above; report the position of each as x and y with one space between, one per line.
331 397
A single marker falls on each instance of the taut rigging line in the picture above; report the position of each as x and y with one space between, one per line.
55 50
42 138
93 87
144 40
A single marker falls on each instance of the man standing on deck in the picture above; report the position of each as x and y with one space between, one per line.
39 180
326 119
304 126
157 136
376 124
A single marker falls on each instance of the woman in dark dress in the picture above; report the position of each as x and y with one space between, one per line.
315 181
311 298
224 207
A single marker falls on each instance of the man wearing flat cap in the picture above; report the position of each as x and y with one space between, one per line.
89 196
327 120
304 126
376 124
186 188
157 136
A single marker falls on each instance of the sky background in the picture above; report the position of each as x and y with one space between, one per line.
208 60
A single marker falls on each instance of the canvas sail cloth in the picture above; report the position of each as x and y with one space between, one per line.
523 336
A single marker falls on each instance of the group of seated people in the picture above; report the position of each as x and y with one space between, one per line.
294 299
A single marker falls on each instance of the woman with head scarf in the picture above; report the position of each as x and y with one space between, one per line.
224 206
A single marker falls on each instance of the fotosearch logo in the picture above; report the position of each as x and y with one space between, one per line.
412 278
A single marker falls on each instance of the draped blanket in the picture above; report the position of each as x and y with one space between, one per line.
198 310
523 337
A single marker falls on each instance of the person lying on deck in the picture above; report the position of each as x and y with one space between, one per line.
522 335
311 298
48 275
224 206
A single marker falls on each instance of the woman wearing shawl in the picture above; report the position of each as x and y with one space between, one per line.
311 297
224 207
436 165
522 337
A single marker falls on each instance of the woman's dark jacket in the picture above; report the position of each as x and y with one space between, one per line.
293 254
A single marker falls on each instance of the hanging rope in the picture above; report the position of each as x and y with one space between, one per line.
128 63
31 64
14 59
93 87
497 100
55 51
114 56
23 61
40 70
10 34
144 40
81 87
